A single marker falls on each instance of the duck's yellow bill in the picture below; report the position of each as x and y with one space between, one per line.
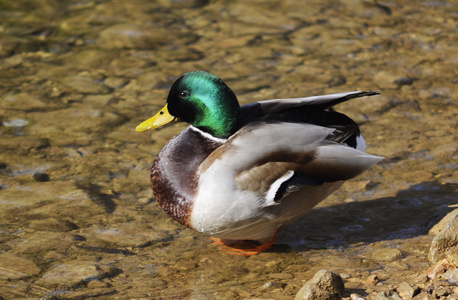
160 119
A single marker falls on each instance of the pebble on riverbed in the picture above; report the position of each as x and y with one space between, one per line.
386 254
407 291
41 177
324 285
74 272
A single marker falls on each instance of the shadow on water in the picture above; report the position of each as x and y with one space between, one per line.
97 196
410 213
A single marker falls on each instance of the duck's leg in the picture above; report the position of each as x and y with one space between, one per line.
241 247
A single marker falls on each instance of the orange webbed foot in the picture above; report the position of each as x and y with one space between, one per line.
242 247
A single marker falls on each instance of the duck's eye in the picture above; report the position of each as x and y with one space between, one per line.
183 95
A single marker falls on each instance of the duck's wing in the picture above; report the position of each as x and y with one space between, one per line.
268 107
275 158
312 110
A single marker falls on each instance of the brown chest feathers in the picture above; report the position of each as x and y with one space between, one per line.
174 178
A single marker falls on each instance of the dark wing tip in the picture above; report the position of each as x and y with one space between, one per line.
360 94
369 93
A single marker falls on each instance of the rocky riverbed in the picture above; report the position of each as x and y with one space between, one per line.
77 216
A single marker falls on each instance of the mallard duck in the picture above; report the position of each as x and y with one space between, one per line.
247 172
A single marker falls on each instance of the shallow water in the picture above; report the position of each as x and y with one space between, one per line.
77 217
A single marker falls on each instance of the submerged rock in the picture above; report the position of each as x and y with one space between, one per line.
125 36
22 101
51 224
324 285
41 177
44 241
127 234
73 272
15 267
85 84
87 293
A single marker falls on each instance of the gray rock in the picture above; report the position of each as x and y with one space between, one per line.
324 285
447 240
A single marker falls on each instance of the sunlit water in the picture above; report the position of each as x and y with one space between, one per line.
77 217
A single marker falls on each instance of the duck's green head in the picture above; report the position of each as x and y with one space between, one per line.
202 100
